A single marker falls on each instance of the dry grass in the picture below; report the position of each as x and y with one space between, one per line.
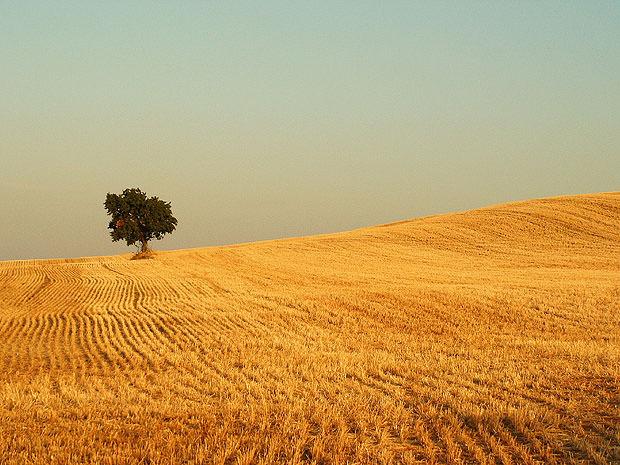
148 255
490 336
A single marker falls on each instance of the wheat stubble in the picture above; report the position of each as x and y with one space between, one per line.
490 336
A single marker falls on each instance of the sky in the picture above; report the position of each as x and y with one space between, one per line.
261 120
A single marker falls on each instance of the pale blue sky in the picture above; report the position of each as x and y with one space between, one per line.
269 119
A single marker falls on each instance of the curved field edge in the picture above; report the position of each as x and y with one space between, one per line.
488 336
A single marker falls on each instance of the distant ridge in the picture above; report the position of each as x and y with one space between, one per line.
551 222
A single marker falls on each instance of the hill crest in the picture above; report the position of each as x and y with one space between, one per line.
559 220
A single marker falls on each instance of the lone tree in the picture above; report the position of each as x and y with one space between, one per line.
138 218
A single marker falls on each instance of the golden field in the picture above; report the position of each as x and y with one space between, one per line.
490 336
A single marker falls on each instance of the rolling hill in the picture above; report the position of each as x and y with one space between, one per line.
488 336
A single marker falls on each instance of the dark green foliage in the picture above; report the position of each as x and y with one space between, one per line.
136 218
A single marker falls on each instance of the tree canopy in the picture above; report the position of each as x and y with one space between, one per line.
138 218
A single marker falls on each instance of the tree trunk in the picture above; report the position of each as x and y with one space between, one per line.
145 247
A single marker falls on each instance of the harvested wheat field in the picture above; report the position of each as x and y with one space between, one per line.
489 336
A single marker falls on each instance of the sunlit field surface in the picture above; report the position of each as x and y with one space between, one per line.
490 336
